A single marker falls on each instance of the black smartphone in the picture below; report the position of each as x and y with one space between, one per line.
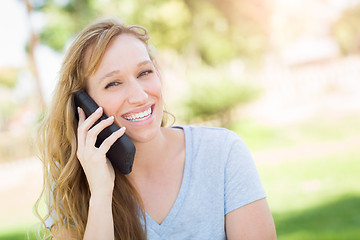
121 154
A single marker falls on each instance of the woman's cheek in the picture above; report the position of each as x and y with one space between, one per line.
155 87
112 105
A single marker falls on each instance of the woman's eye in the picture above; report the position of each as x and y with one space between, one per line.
145 73
112 84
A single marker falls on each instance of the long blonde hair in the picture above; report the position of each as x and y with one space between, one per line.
65 189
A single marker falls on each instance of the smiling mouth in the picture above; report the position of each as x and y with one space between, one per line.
140 116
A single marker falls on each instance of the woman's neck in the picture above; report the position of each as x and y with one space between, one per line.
148 154
151 157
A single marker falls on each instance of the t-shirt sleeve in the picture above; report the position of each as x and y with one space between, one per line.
242 181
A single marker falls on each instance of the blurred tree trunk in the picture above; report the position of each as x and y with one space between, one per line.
257 12
33 41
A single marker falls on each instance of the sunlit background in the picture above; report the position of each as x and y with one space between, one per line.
284 75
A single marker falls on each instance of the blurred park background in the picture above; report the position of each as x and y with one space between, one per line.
284 75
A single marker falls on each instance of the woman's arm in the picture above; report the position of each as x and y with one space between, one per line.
99 174
99 223
250 222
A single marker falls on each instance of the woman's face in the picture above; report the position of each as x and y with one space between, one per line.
127 85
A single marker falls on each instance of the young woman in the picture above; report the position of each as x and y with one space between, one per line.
187 182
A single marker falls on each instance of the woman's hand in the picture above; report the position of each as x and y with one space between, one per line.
98 169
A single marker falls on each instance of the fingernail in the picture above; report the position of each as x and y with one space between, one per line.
99 109
111 117
78 109
123 128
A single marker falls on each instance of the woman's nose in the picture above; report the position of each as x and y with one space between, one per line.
137 94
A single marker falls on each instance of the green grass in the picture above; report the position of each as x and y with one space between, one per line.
336 219
318 129
259 137
18 234
315 198
28 231
304 182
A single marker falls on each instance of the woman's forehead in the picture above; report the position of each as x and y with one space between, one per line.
124 52
125 45
122 49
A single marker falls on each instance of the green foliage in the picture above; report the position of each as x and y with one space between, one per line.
251 43
201 27
204 30
248 26
213 94
211 34
221 32
7 110
167 21
346 31
8 77
63 21
58 28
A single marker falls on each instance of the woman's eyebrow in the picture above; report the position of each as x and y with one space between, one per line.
109 75
118 71
144 63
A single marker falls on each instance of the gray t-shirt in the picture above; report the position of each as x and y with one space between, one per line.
219 177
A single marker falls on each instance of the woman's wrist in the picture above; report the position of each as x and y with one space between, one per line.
100 220
100 198
102 191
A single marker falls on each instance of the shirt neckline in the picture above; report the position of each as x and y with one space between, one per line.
162 227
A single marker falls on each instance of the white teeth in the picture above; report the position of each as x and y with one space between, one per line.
139 116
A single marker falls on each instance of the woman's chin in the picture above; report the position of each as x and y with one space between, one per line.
142 137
